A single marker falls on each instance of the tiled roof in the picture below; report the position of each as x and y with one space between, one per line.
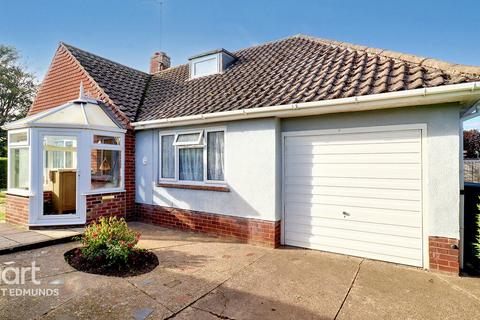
123 85
292 70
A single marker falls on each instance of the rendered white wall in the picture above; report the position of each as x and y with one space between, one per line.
253 165
252 170
443 136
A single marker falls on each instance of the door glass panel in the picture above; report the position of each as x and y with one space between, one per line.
59 175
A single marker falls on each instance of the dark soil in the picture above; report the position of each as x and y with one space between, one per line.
140 262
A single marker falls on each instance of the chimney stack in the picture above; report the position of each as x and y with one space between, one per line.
159 61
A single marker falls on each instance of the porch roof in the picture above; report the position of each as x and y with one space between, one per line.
77 114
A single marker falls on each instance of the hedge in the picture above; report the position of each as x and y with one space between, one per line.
3 173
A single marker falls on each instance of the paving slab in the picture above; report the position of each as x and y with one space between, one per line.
103 298
153 237
388 291
208 278
50 260
188 272
16 238
283 283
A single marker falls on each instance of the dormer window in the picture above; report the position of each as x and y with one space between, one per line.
209 63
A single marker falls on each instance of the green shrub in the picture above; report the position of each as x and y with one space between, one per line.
109 240
3 173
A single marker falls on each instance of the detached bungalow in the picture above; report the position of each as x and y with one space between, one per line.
301 141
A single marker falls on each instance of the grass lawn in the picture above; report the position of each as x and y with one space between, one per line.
2 205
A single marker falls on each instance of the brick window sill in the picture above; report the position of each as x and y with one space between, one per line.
193 187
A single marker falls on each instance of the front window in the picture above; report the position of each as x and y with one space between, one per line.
19 168
106 163
19 160
190 164
215 154
168 157
192 156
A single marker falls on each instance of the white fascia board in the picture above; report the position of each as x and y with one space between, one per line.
425 96
65 126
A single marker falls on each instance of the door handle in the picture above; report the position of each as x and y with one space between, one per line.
345 214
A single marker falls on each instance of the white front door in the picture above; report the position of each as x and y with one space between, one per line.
356 193
59 179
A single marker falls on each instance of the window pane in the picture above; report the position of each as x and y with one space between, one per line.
190 162
215 154
106 140
19 168
105 168
168 157
59 152
20 137
187 138
205 67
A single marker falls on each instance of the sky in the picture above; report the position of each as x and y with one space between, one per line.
129 31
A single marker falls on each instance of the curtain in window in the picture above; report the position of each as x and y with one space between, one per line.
168 157
190 162
215 156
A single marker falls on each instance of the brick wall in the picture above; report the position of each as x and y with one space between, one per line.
102 205
444 254
252 231
130 173
62 82
16 209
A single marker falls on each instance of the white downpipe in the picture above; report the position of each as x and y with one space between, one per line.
424 96
462 198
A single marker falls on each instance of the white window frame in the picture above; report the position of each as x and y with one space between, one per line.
205 155
117 147
160 158
198 143
202 143
18 145
193 63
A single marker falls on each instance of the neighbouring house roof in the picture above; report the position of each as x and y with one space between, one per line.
292 70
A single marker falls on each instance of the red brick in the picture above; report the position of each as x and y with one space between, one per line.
16 209
245 230
444 254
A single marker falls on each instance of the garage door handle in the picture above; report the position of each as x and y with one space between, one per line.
345 214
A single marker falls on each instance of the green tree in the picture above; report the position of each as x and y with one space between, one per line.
17 89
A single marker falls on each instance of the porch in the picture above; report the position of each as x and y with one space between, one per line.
66 165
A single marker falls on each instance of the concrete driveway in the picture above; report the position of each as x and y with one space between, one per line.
200 277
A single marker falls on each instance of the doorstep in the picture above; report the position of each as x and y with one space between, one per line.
14 238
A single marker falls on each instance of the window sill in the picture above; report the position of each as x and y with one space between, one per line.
20 193
193 187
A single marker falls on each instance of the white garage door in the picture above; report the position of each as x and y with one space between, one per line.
355 193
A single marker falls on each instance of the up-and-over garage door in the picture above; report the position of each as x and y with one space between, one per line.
355 193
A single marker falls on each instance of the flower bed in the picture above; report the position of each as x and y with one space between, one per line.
109 248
